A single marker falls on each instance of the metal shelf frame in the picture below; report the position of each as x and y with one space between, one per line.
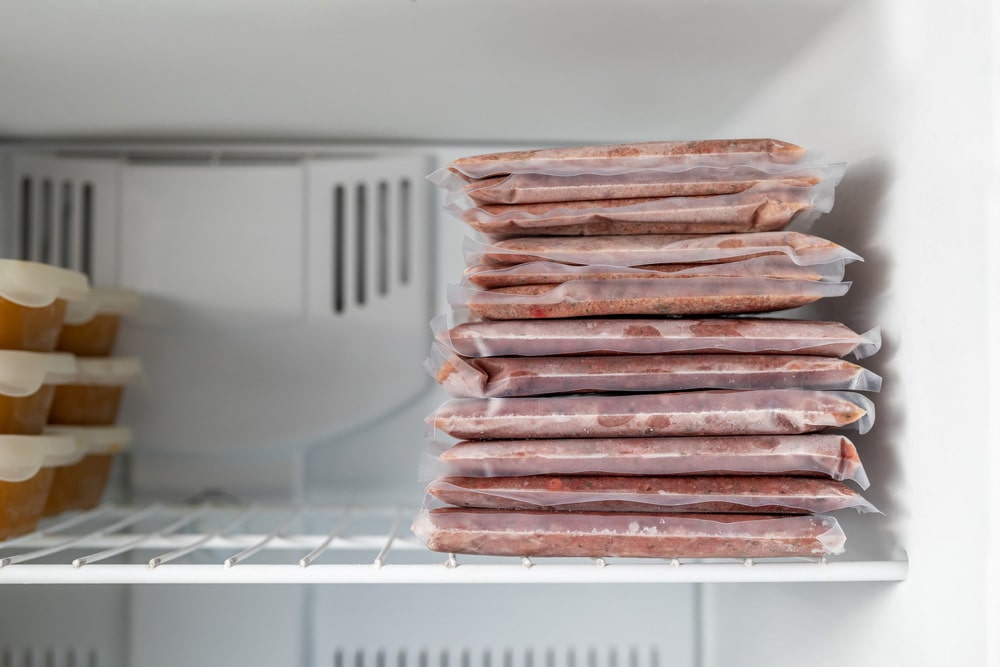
205 543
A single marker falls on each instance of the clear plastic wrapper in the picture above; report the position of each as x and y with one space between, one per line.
693 182
646 249
654 336
627 535
816 454
696 295
491 377
764 207
624 158
552 273
766 494
754 412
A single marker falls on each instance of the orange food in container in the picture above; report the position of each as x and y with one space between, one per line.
33 302
80 486
90 327
27 384
27 467
93 397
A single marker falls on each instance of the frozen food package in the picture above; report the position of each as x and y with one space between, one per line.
33 301
815 454
654 336
723 494
91 327
645 249
627 535
696 295
753 412
554 273
490 377
533 188
628 157
764 207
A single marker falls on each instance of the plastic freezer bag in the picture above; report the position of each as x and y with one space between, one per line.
764 207
762 494
627 535
816 454
624 158
645 249
553 273
755 412
491 377
693 182
655 336
695 295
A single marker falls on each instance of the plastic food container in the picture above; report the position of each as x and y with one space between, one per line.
90 327
80 486
93 396
27 467
33 301
27 384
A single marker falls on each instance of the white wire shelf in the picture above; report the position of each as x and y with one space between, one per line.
184 544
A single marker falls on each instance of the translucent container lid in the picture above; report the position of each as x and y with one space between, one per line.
109 371
37 285
22 456
102 301
22 373
95 439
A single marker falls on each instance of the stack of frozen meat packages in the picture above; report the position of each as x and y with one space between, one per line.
619 390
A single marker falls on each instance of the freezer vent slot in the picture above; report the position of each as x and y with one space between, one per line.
56 222
572 656
371 241
49 657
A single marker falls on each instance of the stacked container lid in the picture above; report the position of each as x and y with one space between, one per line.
38 379
617 391
87 408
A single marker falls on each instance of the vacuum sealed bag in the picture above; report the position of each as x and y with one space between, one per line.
627 535
624 158
553 273
764 207
658 249
816 454
655 336
490 377
695 295
534 188
767 494
755 412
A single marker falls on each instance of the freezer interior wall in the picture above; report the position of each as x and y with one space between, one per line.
901 91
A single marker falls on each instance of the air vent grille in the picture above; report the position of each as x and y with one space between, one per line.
571 656
48 657
371 241
56 222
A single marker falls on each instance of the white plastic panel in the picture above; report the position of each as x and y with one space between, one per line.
504 626
197 239
63 626
273 317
